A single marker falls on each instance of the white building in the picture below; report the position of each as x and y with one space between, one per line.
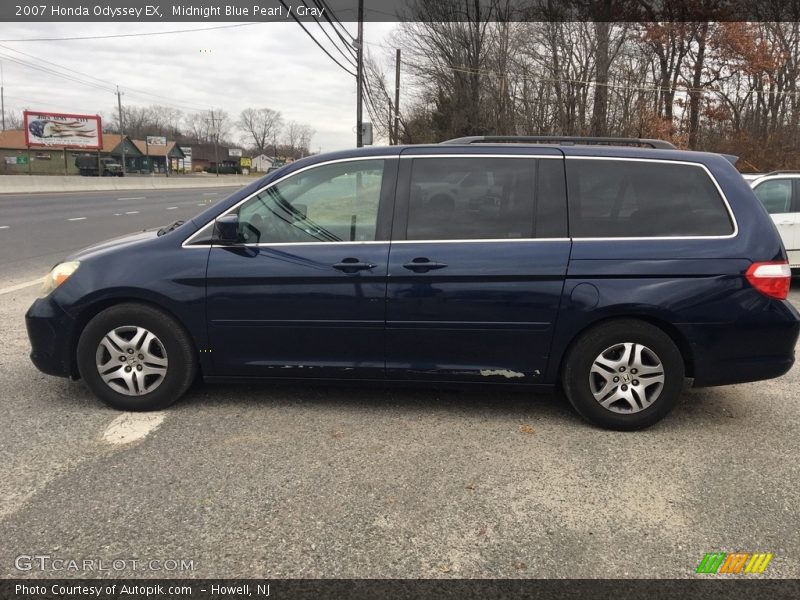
262 162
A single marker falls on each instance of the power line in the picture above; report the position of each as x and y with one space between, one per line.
126 35
71 73
55 73
103 81
309 34
348 58
327 12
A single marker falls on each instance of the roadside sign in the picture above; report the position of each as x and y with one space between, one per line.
246 162
62 130
234 152
156 140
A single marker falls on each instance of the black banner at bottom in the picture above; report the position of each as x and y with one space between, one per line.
391 589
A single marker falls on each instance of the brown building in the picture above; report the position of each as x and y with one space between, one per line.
17 158
156 158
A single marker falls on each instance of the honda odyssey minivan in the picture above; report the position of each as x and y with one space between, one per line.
618 270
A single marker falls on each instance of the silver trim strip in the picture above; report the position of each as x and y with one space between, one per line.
531 156
668 238
488 240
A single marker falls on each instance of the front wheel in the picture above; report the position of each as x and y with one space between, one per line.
136 357
623 375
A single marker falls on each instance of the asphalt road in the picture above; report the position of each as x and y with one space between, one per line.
319 481
38 230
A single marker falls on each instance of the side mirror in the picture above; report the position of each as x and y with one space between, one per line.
226 229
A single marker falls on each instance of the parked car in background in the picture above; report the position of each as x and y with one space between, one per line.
779 192
618 270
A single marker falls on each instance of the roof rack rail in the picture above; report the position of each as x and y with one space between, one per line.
557 139
781 172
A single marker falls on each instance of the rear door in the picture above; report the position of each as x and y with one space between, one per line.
477 264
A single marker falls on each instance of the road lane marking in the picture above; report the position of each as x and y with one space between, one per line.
132 426
3 226
210 193
133 212
134 198
171 207
20 286
77 219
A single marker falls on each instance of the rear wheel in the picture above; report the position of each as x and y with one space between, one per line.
623 375
136 357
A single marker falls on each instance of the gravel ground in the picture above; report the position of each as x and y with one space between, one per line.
369 482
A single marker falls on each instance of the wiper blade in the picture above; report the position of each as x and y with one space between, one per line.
170 227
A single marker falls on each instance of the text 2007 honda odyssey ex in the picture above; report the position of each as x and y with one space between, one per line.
614 268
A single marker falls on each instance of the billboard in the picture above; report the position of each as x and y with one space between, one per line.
234 152
156 140
62 130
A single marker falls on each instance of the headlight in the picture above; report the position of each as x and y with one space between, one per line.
60 273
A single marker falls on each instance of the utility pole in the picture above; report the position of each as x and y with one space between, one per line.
397 99
121 128
360 75
2 97
215 134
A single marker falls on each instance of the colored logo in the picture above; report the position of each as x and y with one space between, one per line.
738 562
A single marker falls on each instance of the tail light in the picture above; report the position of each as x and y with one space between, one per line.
770 278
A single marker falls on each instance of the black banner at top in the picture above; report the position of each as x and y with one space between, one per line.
158 11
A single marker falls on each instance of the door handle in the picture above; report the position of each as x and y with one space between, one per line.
423 265
353 265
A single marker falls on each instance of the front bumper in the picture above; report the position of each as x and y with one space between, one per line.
50 332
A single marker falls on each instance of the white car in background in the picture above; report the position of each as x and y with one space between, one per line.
779 192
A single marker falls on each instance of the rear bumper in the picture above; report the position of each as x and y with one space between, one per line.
50 333
752 349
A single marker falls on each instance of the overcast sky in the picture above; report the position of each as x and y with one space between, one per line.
272 65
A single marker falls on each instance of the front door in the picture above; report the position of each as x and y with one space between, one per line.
477 267
780 197
303 294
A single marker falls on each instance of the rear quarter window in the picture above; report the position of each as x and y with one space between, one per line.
629 198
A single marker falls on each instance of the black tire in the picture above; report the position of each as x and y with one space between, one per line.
577 370
181 367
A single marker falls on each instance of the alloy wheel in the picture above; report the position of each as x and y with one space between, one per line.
131 360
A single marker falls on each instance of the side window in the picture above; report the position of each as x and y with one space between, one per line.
775 195
330 203
471 198
626 198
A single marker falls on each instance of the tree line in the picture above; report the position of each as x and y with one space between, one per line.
257 130
474 68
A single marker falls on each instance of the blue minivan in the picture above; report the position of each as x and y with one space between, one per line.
617 270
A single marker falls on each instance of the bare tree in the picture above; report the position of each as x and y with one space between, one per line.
261 127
